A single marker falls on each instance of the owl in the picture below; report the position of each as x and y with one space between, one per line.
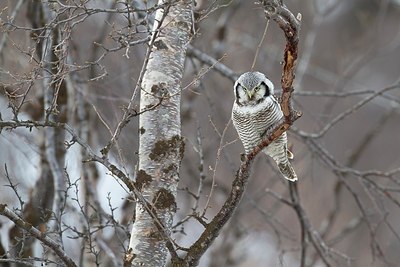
254 111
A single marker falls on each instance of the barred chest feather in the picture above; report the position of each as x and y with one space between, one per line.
251 122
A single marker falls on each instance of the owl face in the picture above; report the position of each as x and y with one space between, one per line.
252 88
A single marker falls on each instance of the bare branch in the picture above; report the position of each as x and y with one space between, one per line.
218 66
58 250
349 111
290 26
9 25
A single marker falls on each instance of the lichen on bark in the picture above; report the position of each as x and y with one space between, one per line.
165 148
161 146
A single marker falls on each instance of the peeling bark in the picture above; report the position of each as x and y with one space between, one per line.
161 146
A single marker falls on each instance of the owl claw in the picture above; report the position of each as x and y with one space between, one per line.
287 171
289 154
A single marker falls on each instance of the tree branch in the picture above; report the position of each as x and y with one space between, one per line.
206 59
291 26
54 246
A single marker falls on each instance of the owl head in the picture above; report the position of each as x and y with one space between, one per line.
252 88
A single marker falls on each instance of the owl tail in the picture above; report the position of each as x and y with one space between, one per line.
287 171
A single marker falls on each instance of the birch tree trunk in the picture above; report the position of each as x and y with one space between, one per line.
161 146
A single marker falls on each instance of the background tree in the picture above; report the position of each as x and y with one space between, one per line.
96 169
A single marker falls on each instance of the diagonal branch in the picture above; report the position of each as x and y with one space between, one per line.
290 26
93 157
209 60
54 246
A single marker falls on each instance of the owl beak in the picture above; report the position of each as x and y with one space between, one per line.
250 94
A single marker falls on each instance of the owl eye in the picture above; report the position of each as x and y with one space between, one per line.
240 91
257 88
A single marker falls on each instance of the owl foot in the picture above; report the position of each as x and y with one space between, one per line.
287 171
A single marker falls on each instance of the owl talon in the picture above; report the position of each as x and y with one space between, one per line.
243 157
289 154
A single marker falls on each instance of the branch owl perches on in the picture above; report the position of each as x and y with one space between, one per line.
290 25
257 115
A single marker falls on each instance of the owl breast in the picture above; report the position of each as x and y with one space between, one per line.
251 122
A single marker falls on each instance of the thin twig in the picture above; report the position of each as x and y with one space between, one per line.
349 111
290 26
206 59
54 246
9 24
259 46
127 113
214 170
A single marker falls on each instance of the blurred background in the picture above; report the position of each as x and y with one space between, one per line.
346 144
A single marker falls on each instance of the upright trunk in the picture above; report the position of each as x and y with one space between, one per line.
55 104
161 146
50 184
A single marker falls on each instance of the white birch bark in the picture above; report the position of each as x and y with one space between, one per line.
161 146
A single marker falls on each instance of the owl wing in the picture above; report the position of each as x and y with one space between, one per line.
273 113
288 152
275 99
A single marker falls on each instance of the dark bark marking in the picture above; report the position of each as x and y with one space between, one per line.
166 148
164 199
170 168
142 179
160 45
159 90
182 24
129 257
